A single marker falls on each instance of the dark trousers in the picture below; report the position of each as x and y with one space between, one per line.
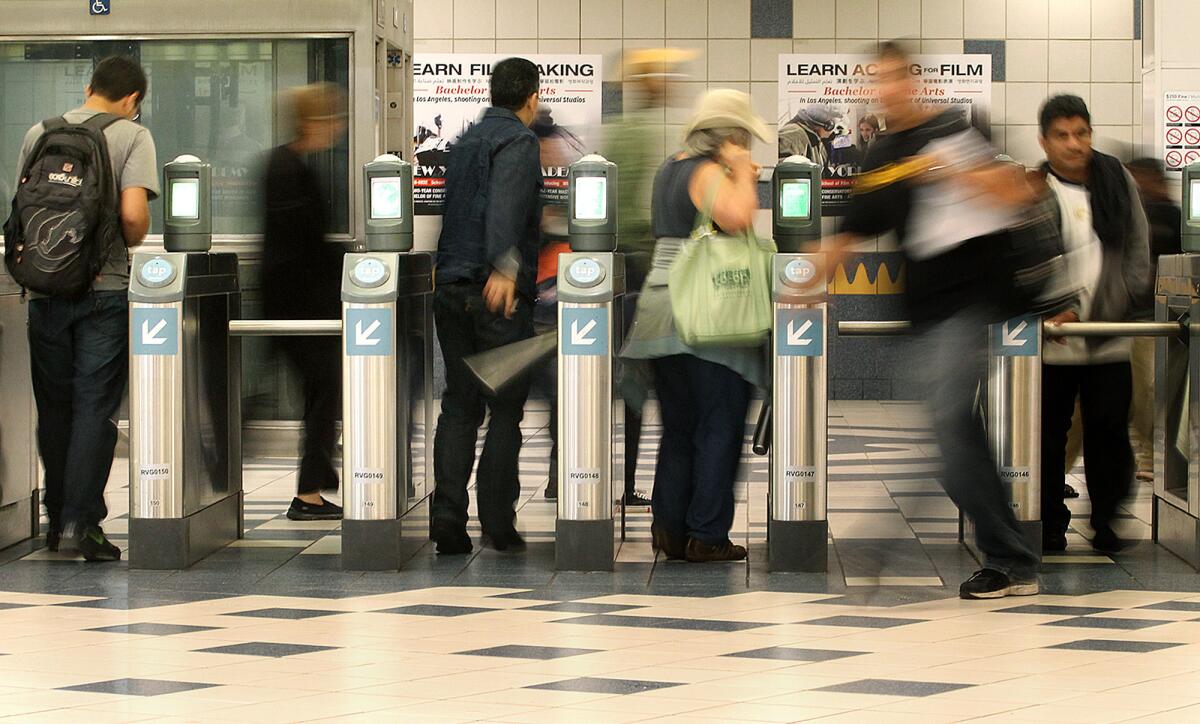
465 327
79 359
318 362
953 355
704 424
1105 392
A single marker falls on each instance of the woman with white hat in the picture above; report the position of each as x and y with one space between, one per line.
704 394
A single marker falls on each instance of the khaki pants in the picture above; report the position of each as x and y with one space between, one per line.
1141 413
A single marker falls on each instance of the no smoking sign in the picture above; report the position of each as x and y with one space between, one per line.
1174 136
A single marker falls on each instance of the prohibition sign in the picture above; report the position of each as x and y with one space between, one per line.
1192 136
1174 114
1192 114
1174 136
1174 159
1191 157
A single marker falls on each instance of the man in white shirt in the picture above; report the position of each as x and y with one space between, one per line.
1105 239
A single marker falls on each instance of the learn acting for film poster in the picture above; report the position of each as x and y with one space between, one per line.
450 91
828 110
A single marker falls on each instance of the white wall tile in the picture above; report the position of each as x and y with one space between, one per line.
1083 90
516 46
480 45
687 18
1026 60
1114 140
941 18
984 18
682 100
1022 102
516 18
764 57
728 60
765 99
900 18
645 18
600 19
999 102
857 45
1021 142
558 19
433 45
474 18
1112 104
1070 19
697 67
1112 60
610 49
430 19
766 154
942 45
1070 60
1028 18
813 18
1113 19
558 45
729 18
814 45
857 18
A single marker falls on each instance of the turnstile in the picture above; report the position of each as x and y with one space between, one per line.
185 463
1177 409
387 389
19 500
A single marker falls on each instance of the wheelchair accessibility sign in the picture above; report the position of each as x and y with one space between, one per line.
100 7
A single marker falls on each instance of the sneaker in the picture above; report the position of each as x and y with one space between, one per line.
53 538
1054 542
989 583
551 491
300 510
1106 541
1070 492
451 541
509 540
673 546
635 500
726 550
96 547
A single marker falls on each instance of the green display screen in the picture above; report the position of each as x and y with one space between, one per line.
1194 201
591 198
387 197
795 199
185 198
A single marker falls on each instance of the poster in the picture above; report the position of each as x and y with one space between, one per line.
450 91
1181 129
827 108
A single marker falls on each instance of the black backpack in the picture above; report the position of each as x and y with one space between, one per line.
65 215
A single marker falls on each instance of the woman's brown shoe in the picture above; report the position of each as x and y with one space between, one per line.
726 550
674 547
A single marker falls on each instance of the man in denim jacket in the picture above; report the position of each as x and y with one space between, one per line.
486 269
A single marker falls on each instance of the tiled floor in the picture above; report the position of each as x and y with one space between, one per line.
273 630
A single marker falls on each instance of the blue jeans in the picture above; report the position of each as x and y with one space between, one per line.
953 353
703 408
79 357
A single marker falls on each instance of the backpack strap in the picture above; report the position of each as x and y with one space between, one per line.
100 121
53 124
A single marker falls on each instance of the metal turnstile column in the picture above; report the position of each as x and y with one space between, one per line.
387 393
589 463
19 500
185 467
797 527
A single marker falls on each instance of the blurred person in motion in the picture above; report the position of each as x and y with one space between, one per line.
485 288
1107 248
933 180
302 277
704 393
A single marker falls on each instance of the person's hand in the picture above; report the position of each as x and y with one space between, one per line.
737 159
500 294
1060 319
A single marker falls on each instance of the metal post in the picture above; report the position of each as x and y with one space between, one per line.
797 526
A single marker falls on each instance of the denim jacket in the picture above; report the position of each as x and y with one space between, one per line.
491 216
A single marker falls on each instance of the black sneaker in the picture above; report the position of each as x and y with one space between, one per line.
1054 542
1106 541
726 550
95 546
300 510
53 538
989 583
1069 491
451 541
551 490
509 540
635 501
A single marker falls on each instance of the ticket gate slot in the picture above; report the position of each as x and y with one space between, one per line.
387 363
591 280
185 386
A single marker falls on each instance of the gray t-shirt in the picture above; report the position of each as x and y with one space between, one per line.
135 163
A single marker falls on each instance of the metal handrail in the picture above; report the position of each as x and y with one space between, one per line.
285 327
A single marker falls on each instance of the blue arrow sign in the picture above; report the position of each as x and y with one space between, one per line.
368 332
799 333
155 331
584 331
1017 337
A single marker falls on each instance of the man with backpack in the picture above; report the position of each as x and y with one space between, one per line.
82 199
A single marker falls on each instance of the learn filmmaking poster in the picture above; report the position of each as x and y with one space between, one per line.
828 112
450 91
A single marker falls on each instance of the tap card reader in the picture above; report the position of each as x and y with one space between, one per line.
592 201
187 211
387 185
796 212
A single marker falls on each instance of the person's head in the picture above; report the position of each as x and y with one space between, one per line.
515 85
1066 135
868 128
1151 177
821 120
722 115
320 115
895 82
118 86
652 68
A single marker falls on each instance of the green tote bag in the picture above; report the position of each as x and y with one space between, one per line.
720 287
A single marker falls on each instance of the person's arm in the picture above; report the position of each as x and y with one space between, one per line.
512 197
1135 266
734 177
1004 183
139 184
135 215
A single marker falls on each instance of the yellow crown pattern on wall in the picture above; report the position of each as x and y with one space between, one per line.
884 282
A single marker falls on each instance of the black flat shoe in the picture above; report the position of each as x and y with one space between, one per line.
300 510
